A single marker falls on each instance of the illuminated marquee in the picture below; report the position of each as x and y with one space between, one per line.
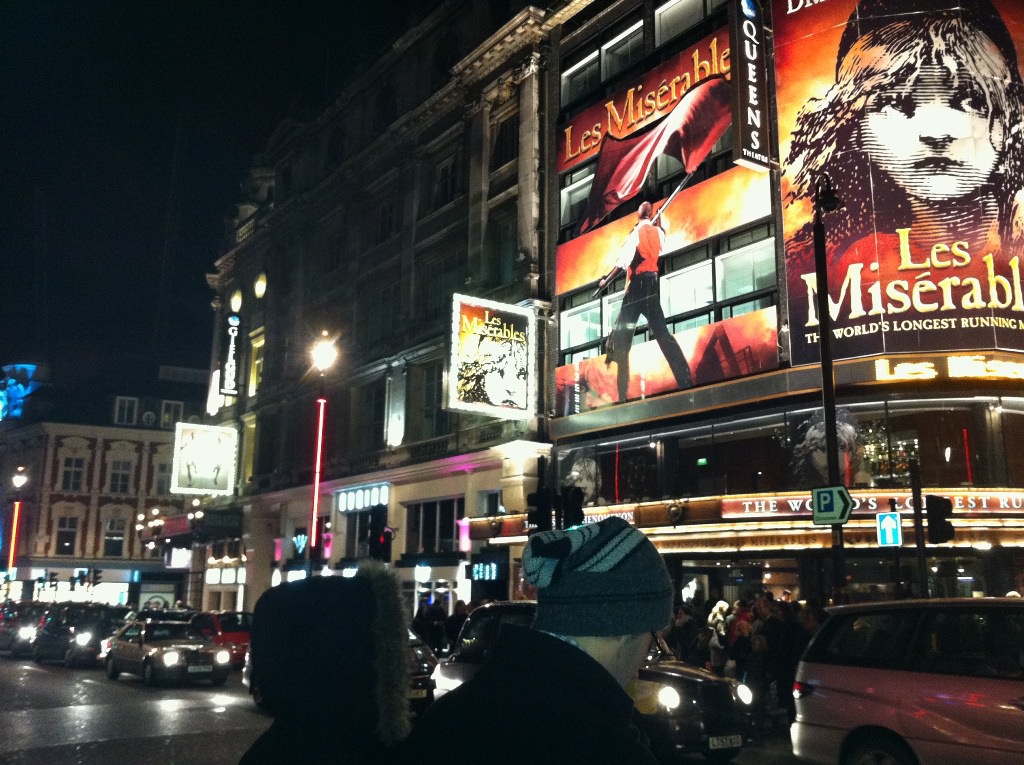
492 365
229 379
364 497
204 459
973 367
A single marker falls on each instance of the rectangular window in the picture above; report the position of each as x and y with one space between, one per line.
369 416
688 289
125 410
573 196
378 310
432 525
503 244
171 413
506 142
120 476
675 17
749 269
255 364
580 325
442 278
72 474
581 78
622 51
67 535
386 221
113 538
445 182
434 416
163 478
357 528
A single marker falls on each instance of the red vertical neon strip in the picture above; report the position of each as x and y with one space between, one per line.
315 515
967 456
14 535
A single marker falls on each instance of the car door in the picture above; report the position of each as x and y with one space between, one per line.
127 649
963 699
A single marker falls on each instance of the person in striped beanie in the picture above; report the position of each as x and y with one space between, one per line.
602 588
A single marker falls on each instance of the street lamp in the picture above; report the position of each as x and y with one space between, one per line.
324 353
825 200
18 480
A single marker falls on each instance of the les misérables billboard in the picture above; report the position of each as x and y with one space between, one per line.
204 459
914 110
681 108
492 369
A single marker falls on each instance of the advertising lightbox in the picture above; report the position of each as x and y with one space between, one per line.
913 110
492 367
675 113
204 459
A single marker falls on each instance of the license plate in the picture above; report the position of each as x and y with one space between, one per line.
725 742
417 693
200 668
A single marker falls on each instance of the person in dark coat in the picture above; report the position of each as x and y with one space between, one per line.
601 590
330 657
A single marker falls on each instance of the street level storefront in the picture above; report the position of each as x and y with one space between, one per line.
750 542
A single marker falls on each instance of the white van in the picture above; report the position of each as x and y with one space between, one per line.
921 682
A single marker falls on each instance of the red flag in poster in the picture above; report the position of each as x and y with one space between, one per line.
687 133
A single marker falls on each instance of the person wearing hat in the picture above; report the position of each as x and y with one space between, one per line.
556 692
330 657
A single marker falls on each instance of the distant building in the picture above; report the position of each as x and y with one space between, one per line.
98 489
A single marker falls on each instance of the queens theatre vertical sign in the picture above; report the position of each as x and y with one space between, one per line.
491 367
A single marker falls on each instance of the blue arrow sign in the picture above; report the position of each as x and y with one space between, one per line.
890 529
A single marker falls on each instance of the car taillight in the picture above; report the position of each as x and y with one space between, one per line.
802 689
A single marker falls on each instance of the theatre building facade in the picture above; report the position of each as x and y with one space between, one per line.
730 119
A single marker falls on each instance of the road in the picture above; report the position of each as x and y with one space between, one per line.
58 716
53 715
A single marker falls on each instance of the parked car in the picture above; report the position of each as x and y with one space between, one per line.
917 682
166 651
71 632
18 625
421 683
682 709
229 629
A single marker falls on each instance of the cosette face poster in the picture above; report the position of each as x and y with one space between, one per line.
912 110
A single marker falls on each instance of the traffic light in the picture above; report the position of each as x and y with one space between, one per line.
572 506
539 512
937 512
73 580
97 576
54 576
379 537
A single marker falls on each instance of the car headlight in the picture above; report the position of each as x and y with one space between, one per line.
222 657
744 694
26 633
170 658
83 638
669 697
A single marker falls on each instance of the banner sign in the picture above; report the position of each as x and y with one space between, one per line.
492 365
912 109
204 459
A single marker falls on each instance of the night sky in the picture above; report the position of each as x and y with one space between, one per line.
126 127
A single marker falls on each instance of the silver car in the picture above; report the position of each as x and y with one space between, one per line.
923 682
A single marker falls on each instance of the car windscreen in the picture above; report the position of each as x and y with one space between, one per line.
241 622
173 631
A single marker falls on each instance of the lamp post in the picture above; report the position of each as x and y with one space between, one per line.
18 480
324 353
825 200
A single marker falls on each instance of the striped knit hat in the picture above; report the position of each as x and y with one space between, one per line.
599 579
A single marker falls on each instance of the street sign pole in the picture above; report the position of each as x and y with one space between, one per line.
824 197
915 493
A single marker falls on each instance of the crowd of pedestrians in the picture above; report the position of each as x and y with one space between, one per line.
757 640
